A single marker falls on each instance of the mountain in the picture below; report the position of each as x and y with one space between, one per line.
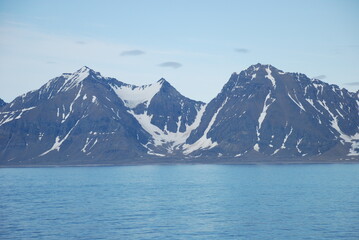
84 117
73 118
264 112
161 111
261 114
2 103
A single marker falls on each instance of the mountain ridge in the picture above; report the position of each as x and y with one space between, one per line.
260 91
2 103
261 113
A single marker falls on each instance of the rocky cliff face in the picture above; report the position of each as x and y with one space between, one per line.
261 113
161 111
75 117
268 111
2 103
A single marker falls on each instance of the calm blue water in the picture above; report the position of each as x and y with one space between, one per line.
181 202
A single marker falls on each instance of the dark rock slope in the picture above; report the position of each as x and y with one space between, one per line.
274 113
261 114
2 103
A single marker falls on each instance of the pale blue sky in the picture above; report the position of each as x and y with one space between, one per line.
195 45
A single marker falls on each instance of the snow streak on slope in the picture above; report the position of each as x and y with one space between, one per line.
204 142
284 142
86 148
270 77
59 142
160 137
296 103
134 95
74 79
261 118
10 116
71 105
353 140
297 145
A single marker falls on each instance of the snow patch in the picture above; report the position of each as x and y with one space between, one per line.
262 116
310 101
284 141
41 135
296 102
86 147
164 137
71 105
270 77
13 115
297 145
318 87
72 80
94 100
353 139
204 142
59 142
156 154
134 95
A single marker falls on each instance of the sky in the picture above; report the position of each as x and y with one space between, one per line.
194 45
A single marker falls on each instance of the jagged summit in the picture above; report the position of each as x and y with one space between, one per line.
259 67
2 102
85 68
268 111
162 81
261 112
80 72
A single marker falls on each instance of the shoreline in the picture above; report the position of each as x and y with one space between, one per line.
154 163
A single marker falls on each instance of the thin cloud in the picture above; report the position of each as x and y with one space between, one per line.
171 64
135 52
17 24
320 77
51 62
241 50
352 84
81 42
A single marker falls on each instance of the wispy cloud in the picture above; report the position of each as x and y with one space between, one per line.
320 77
16 24
352 84
241 50
171 64
134 52
80 42
51 62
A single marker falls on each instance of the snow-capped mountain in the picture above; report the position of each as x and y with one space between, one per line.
74 117
85 117
162 111
262 113
273 113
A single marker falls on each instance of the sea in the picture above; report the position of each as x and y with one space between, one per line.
301 201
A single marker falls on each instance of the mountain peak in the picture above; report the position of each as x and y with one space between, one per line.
80 73
260 66
73 79
87 71
85 68
2 102
161 81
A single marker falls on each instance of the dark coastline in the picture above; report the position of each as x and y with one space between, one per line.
183 162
